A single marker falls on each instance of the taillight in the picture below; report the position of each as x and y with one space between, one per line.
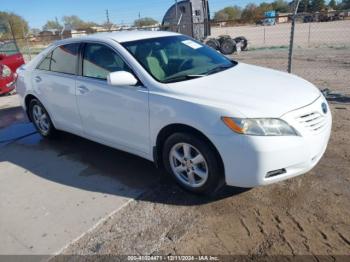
5 71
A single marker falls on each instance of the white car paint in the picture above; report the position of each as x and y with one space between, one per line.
131 117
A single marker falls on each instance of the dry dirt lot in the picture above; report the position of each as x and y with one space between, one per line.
307 215
326 67
306 34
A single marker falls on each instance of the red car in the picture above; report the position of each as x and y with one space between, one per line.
10 60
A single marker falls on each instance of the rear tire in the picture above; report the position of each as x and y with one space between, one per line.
213 43
41 119
193 163
227 46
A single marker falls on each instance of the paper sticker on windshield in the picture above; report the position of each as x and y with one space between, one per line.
192 44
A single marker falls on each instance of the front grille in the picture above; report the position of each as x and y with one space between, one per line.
314 122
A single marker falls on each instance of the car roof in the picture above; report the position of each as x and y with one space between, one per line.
121 36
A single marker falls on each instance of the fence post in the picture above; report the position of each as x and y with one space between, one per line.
290 55
25 36
309 35
12 32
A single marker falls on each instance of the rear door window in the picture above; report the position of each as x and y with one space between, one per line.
64 59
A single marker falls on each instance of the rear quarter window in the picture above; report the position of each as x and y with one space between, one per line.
45 63
64 59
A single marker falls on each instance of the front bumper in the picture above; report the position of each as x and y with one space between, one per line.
251 161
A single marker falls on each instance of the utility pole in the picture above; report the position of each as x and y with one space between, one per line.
108 22
59 30
25 36
12 32
107 15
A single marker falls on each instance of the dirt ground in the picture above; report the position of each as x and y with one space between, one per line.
307 215
306 34
326 67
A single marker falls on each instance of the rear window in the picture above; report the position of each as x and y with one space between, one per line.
8 48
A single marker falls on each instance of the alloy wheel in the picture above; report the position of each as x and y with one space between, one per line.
41 119
188 164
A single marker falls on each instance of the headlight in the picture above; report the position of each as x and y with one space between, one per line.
260 126
5 71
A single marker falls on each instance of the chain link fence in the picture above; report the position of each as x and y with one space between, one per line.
321 44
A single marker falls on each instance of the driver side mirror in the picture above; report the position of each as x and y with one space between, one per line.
121 78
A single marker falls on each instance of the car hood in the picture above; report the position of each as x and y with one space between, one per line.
249 91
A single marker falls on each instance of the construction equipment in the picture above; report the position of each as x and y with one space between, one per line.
192 18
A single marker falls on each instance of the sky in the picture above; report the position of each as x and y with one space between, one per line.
37 12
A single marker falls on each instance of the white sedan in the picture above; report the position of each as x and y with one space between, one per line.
206 119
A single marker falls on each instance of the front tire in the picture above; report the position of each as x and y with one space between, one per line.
41 119
193 163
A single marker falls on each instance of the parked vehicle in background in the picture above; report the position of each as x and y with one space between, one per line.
324 16
168 98
192 18
10 59
270 18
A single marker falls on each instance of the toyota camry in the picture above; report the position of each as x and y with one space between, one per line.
205 118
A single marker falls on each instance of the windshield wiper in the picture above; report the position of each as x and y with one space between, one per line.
218 69
181 78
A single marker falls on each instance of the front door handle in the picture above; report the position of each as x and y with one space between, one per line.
83 89
37 79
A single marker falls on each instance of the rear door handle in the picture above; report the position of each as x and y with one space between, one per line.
37 79
83 89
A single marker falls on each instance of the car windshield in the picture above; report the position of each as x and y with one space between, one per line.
177 58
8 48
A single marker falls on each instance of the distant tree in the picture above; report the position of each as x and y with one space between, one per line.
332 4
345 4
250 13
304 6
52 24
107 25
264 7
74 21
221 16
146 21
228 13
12 24
317 5
90 24
34 31
281 6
